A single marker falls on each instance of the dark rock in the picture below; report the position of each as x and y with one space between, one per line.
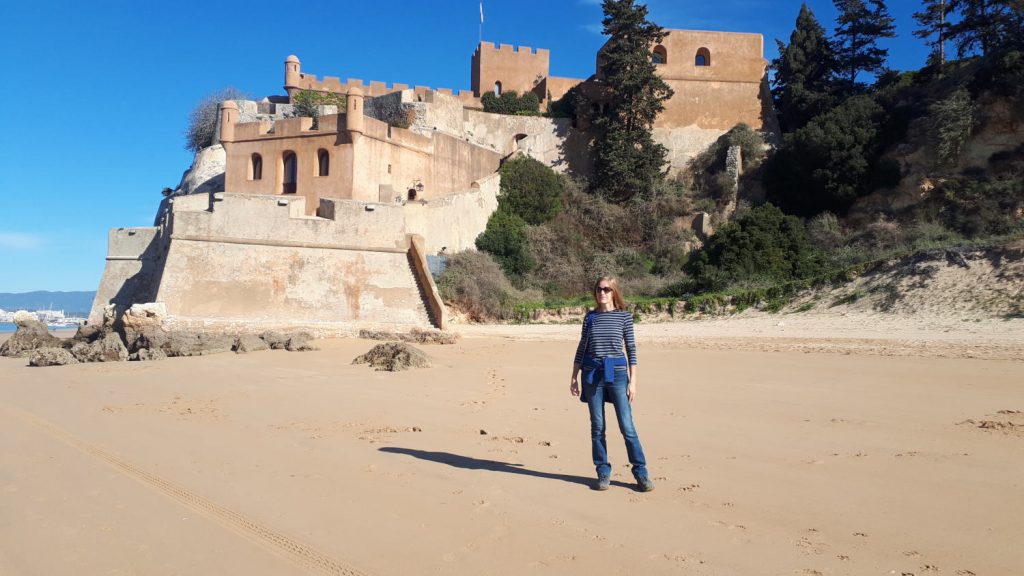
298 342
415 335
108 348
146 354
214 343
394 356
275 340
89 333
51 356
30 335
249 343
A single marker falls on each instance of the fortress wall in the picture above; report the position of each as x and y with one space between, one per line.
373 158
451 224
517 68
297 137
557 87
735 57
543 141
456 163
685 143
132 270
442 113
251 264
254 288
261 219
714 105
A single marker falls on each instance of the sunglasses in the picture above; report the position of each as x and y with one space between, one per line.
605 289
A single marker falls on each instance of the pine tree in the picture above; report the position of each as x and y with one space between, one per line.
627 160
803 73
858 29
986 24
934 21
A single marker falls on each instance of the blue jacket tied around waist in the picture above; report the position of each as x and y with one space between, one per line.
605 365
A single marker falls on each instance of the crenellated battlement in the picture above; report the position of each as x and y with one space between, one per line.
296 79
520 51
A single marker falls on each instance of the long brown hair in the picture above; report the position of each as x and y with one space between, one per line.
617 300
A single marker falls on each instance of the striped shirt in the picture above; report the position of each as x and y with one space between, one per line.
605 336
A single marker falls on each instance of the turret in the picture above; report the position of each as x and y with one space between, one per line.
228 119
292 73
354 110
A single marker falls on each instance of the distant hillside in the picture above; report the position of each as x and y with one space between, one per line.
72 303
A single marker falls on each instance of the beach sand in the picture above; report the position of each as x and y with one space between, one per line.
818 446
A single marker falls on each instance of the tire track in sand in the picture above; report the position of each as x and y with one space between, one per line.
291 550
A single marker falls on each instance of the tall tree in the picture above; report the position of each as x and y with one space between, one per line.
858 30
627 160
985 25
803 73
934 22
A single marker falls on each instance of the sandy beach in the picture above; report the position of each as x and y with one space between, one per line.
783 444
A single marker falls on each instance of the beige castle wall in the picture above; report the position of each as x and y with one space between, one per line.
252 264
379 163
557 87
713 105
735 57
684 143
131 272
551 141
218 284
451 224
441 112
517 68
718 96
291 135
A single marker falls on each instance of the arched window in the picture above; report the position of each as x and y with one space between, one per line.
291 171
703 57
323 162
659 55
256 167
497 88
412 194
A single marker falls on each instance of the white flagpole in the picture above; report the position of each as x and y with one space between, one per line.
481 21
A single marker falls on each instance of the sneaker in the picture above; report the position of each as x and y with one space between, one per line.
602 483
644 484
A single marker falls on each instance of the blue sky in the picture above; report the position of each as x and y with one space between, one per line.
96 94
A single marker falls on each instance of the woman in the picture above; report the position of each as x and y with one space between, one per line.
609 376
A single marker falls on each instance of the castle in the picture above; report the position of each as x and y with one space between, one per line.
329 226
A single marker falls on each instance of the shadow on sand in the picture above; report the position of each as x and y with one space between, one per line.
467 463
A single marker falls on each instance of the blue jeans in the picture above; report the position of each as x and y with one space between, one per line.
596 394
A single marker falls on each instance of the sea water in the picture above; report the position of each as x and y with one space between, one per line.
7 327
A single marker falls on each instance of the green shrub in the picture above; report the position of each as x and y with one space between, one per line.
307 104
473 283
951 121
510 102
530 190
764 245
505 238
829 162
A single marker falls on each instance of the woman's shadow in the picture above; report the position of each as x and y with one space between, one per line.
467 463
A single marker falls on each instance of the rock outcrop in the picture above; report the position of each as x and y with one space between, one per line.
394 356
51 356
31 335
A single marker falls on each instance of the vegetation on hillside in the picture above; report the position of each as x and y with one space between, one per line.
872 164
627 161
